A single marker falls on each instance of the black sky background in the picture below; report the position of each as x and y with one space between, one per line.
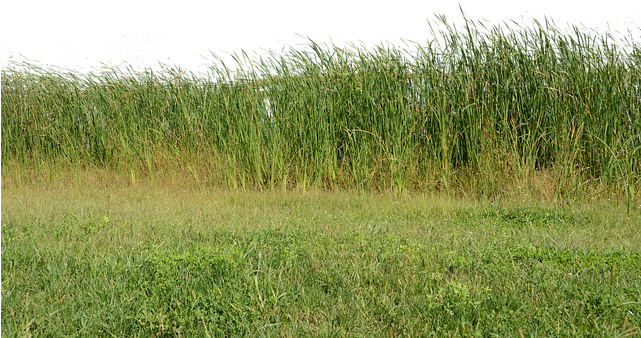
183 29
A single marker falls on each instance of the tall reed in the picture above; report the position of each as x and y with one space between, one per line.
478 105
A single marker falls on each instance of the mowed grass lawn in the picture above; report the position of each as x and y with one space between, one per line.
154 260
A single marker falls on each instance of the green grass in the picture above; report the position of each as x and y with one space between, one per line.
158 260
483 184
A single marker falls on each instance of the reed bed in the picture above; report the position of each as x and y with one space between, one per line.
471 110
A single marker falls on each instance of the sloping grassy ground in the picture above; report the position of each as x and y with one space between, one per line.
162 260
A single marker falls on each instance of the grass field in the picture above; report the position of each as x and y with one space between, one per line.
485 184
154 260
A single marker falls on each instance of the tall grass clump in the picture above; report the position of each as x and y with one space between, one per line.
469 111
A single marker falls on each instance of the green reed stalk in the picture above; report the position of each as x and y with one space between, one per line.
475 107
